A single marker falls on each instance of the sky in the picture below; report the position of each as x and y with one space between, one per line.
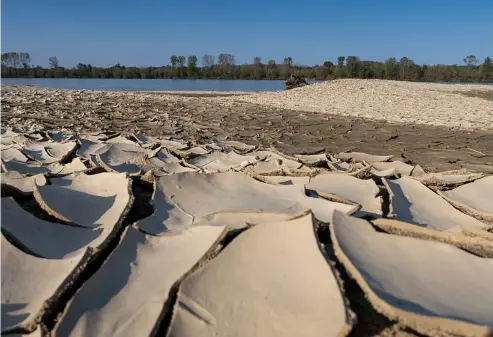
148 32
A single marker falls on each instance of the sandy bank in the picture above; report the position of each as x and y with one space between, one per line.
461 105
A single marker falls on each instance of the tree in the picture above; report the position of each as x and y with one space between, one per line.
53 61
340 72
25 60
16 60
487 69
174 61
225 59
16 64
471 60
405 65
8 60
191 65
117 72
226 63
207 61
366 70
328 64
288 61
192 61
352 65
286 67
221 59
340 61
181 65
391 68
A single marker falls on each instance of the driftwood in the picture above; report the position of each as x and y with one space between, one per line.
295 82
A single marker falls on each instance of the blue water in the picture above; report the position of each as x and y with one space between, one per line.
149 84
154 85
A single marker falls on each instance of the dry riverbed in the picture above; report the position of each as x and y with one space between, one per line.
440 126
77 162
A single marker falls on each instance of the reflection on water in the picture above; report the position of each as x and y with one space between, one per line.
150 84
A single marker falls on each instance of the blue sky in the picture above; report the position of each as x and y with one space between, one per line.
148 32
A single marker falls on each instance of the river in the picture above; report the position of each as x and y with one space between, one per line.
149 84
155 84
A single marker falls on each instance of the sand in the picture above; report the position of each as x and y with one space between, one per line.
392 101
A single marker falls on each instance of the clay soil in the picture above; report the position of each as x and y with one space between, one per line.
200 117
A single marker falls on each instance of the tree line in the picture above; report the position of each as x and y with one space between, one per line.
224 67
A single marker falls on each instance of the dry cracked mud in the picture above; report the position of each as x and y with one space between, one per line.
437 148
309 201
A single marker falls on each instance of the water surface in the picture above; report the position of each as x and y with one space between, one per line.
112 84
149 84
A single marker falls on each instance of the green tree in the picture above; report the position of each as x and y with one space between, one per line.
471 61
288 61
328 64
192 61
330 69
352 65
181 65
174 61
487 69
366 70
17 64
405 65
226 63
340 73
117 72
391 68
191 65
340 61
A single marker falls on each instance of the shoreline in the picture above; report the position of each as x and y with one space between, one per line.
242 79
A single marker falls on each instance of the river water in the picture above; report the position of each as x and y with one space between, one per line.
153 84
149 84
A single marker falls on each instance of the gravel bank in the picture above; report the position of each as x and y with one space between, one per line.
392 101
